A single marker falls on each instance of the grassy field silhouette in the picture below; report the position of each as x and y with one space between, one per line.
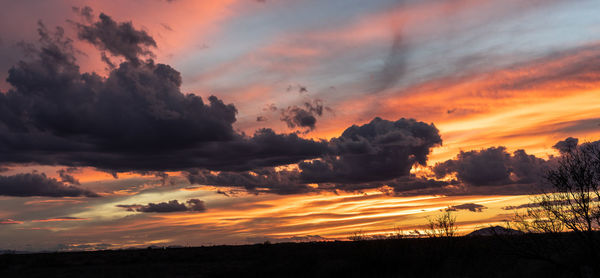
479 256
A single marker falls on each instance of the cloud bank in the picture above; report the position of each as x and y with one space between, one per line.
33 184
135 119
378 153
166 207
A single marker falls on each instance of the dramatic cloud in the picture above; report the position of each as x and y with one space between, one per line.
134 119
468 206
495 171
32 184
303 117
566 145
378 151
296 116
120 39
493 166
171 206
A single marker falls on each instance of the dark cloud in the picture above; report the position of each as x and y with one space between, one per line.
265 148
260 180
65 177
495 171
468 206
492 166
195 205
411 185
303 116
163 176
135 119
295 116
527 168
378 151
120 39
566 145
170 206
270 180
33 184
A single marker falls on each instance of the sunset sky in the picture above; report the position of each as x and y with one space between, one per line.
154 122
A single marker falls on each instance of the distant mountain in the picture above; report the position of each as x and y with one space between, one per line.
496 230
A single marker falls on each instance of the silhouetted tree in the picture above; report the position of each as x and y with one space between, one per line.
570 204
443 225
358 236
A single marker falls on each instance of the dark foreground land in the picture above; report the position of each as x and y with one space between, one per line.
437 257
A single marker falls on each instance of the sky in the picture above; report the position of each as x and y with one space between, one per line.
154 122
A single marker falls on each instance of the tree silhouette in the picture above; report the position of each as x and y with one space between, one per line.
570 204
443 225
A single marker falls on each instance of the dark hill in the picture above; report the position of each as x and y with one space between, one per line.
496 230
435 257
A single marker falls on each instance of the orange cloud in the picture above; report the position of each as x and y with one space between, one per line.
532 105
10 221
329 215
